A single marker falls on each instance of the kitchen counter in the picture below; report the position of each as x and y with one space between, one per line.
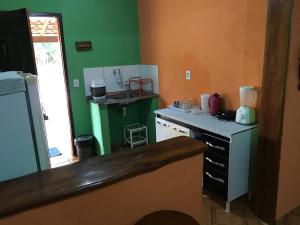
206 122
228 163
49 186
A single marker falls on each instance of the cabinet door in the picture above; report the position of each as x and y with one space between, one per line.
162 130
215 181
178 130
216 145
216 162
16 47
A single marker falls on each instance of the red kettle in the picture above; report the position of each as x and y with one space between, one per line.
215 104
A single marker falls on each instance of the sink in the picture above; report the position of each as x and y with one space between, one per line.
122 96
116 96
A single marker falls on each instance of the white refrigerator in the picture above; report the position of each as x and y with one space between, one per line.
23 142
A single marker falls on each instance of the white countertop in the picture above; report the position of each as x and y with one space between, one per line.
206 122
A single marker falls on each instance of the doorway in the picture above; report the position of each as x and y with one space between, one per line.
54 94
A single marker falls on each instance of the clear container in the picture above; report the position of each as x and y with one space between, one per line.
248 96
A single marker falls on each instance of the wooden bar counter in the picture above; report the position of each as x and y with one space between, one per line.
117 189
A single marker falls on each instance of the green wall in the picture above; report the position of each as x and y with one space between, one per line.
111 25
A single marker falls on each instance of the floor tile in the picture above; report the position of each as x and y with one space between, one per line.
59 161
241 214
214 212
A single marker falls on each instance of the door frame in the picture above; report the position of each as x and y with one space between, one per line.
65 67
278 33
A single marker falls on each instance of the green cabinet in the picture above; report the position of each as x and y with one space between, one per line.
108 121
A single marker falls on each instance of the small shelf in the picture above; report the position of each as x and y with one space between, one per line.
135 134
137 140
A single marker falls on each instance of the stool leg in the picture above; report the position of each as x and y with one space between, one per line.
131 141
124 134
227 207
147 136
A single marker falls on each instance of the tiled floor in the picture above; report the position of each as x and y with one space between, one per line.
59 161
214 213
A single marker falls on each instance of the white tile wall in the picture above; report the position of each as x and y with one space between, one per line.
131 71
151 71
110 80
127 72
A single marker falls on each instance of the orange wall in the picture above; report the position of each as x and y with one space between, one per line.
221 42
125 202
289 178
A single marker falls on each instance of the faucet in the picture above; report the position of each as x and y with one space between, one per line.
118 77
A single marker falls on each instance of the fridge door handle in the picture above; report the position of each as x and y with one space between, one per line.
3 49
45 116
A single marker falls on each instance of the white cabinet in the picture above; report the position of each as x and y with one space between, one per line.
227 163
167 130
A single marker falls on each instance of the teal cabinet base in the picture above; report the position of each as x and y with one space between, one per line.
101 129
147 116
108 122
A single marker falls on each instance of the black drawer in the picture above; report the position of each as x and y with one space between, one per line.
215 182
216 161
216 145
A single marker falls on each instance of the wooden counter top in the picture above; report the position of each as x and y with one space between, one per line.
55 184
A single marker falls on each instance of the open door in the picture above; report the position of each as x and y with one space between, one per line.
16 48
48 43
34 44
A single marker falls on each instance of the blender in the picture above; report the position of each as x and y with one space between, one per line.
246 114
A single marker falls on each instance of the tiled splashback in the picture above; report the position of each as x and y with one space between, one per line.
106 73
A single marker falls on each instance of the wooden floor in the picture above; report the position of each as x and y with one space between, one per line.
214 213
293 218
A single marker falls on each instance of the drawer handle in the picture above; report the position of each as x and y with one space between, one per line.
215 163
180 131
183 132
214 178
215 146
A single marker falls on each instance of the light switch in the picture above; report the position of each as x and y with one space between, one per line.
188 74
76 83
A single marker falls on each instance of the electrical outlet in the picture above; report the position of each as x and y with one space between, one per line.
188 75
76 83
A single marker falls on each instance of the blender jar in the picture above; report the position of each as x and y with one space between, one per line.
248 96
